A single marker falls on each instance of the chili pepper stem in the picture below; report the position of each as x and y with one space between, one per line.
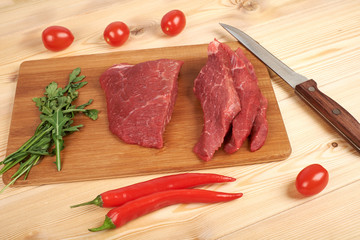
108 224
97 201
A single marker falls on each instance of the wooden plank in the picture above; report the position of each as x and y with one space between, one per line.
94 153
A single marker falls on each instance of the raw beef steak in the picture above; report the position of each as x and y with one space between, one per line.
215 89
140 99
260 128
246 85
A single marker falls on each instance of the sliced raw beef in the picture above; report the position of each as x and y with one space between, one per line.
215 89
140 100
260 128
246 85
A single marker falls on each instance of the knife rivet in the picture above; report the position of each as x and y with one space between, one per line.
311 89
336 111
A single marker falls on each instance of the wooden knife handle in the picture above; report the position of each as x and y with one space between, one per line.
331 111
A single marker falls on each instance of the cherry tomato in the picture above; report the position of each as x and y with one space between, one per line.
57 38
173 22
116 34
312 180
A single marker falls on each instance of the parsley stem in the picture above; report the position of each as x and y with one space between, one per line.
25 164
18 174
58 160
74 110
30 141
26 146
11 164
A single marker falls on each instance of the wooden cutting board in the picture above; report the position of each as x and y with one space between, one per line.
95 153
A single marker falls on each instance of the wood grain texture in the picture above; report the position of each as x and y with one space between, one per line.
318 39
95 153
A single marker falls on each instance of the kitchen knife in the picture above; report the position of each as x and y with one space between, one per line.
307 89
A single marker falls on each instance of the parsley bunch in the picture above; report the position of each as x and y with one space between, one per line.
57 112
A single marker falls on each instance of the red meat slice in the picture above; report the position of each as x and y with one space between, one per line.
260 128
246 85
140 100
215 89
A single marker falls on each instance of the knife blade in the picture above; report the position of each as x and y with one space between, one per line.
307 89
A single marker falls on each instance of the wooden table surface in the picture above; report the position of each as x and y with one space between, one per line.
319 39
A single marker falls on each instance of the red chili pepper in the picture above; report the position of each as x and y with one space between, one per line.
117 197
119 216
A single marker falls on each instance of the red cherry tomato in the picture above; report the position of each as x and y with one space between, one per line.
312 180
116 34
57 38
173 22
